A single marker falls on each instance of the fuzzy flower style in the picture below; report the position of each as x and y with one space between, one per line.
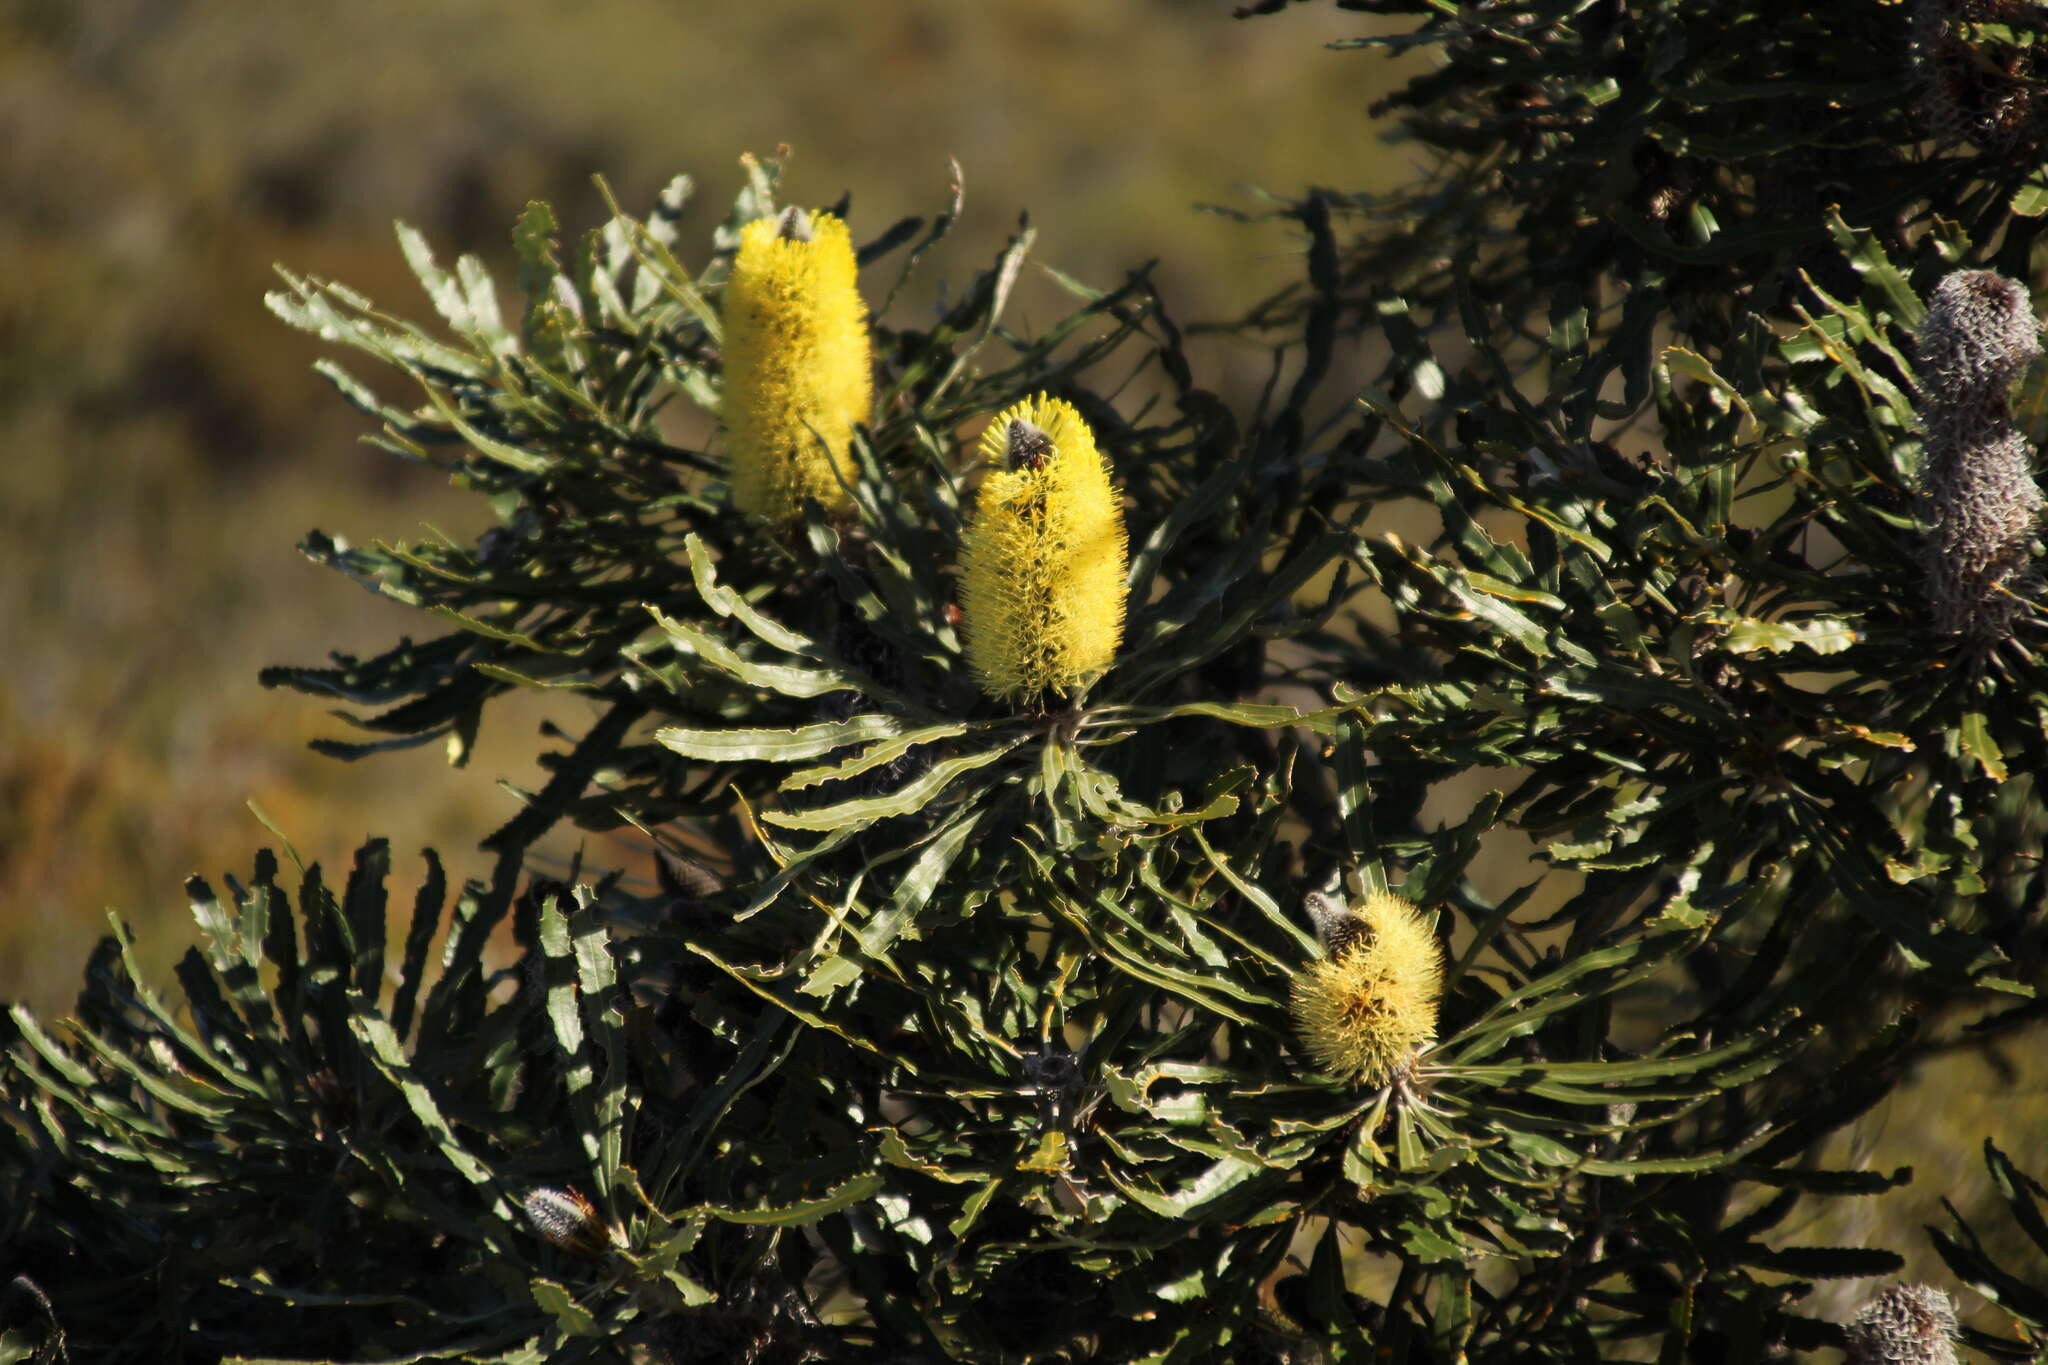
798 373
1365 1009
568 1219
1043 560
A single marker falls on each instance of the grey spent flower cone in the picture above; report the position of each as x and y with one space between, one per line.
1904 1324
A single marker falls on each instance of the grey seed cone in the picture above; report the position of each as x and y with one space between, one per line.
1905 1324
1336 926
1981 499
1977 338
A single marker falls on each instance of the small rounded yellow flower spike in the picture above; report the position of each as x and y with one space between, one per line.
798 372
1043 560
1368 1008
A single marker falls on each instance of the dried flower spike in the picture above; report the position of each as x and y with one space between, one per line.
798 372
1978 337
1365 1009
1975 87
1906 1324
1043 561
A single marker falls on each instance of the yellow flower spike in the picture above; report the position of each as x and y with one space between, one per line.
1043 560
798 372
1365 1010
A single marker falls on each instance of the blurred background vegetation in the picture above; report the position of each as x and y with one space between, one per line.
166 443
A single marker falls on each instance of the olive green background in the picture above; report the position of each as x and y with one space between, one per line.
166 443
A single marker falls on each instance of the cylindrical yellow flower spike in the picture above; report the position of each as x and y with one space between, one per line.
1043 561
1365 1010
798 372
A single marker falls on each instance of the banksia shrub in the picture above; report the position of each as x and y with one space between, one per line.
1366 1008
1042 564
1906 1324
1978 337
1561 580
798 373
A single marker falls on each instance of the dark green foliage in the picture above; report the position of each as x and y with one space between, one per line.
2020 1290
957 1032
289 1166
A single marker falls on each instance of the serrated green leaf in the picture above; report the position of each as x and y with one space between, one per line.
780 746
1974 736
388 1054
874 756
844 1195
2031 199
1822 635
558 1303
912 797
970 1211
788 679
1823 1263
